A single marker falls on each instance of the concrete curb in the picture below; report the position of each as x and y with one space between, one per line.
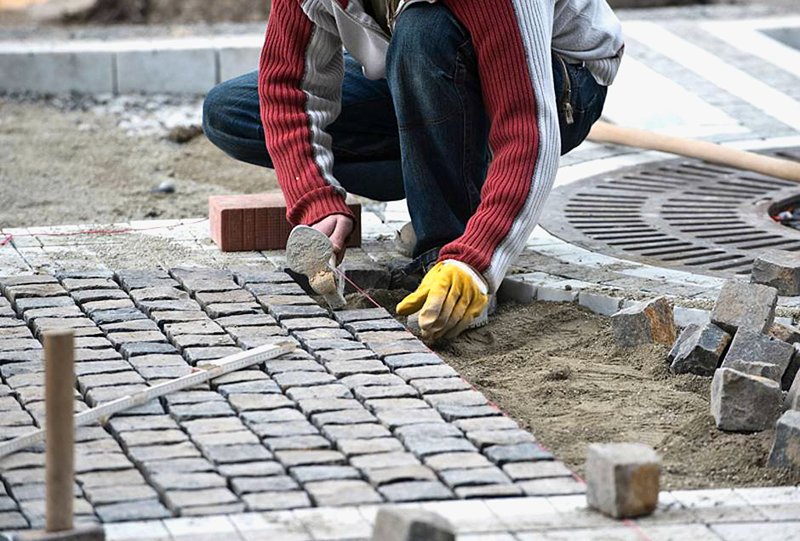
158 66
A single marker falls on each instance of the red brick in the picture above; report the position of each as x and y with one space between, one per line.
258 222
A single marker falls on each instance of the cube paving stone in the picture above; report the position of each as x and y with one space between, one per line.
488 491
294 443
287 380
230 296
453 461
231 454
384 476
342 492
251 387
355 431
92 295
309 474
425 372
104 308
748 306
415 491
279 415
474 476
427 431
486 423
271 501
127 511
440 385
363 447
133 325
281 429
406 360
30 303
521 452
759 355
186 412
379 460
149 422
137 438
341 369
275 483
110 478
212 425
251 469
197 354
230 309
344 417
291 458
251 402
484 438
248 320
177 500
225 438
385 391
176 465
163 452
521 471
333 390
454 412
133 349
109 495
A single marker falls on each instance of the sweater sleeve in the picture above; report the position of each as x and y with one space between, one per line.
300 86
512 40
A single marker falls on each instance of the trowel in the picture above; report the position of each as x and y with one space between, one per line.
310 252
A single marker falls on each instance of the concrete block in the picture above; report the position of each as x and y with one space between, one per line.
182 71
235 61
785 452
57 72
698 350
622 479
258 222
759 355
744 403
647 322
778 269
599 303
787 333
749 306
78 533
411 525
516 290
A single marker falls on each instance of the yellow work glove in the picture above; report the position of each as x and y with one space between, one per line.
452 294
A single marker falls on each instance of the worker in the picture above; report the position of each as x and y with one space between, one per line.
461 107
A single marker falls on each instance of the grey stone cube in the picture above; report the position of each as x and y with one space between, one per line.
698 350
623 479
749 306
792 401
411 525
744 403
759 355
778 269
649 322
785 452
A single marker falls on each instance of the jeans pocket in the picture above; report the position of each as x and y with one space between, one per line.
587 100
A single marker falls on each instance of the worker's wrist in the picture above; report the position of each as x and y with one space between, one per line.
480 281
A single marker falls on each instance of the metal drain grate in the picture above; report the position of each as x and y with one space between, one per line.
679 214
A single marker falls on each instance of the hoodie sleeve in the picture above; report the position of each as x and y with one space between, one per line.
512 40
300 86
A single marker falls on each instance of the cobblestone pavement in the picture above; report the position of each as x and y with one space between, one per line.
361 414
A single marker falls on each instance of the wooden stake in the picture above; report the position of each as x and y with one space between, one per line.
59 354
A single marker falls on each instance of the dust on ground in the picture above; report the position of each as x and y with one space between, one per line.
555 369
60 166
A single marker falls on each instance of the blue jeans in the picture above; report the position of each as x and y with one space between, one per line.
420 134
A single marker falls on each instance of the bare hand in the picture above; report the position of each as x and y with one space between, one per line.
337 227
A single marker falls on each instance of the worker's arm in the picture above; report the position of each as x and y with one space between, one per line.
512 40
300 86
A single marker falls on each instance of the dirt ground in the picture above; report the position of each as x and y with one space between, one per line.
555 369
68 167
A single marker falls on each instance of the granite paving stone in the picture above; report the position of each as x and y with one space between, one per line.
280 415
385 324
355 431
251 469
382 404
333 355
133 325
343 417
385 391
486 423
363 314
457 460
231 309
176 500
101 367
245 387
322 334
252 402
415 491
474 476
59 311
455 412
283 313
230 296
91 342
179 465
488 491
341 369
309 474
427 430
117 494
333 390
294 443
484 438
248 320
12 520
120 425
133 349
186 412
230 454
212 425
92 295
100 307
398 348
281 429
218 509
225 438
342 492
407 360
29 303
271 501
430 446
291 458
521 471
396 418
163 317
163 452
395 474
555 486
284 288
197 354
334 343
275 483
378 460
521 452
79 284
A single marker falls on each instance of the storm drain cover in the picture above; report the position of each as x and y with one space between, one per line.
682 214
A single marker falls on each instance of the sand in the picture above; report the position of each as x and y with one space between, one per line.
556 370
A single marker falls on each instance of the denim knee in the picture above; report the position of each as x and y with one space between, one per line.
213 113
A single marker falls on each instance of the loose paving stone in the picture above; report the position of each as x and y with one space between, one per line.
698 350
744 403
251 469
415 491
177 500
785 452
792 401
778 269
294 443
292 458
276 483
747 306
127 511
786 333
759 355
648 322
623 479
521 452
272 501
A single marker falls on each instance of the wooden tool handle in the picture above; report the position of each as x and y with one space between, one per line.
59 373
603 132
